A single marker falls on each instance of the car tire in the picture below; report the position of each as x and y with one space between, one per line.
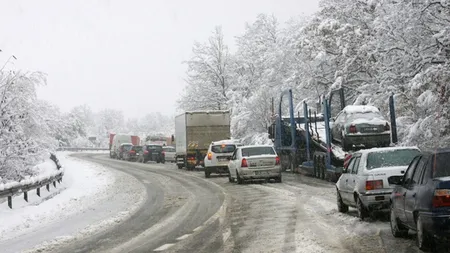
163 161
362 211
230 179
397 229
423 239
179 166
207 174
342 207
279 179
238 178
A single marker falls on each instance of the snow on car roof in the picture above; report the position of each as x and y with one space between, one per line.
225 142
350 109
371 150
257 146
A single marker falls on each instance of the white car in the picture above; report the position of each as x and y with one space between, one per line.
369 179
254 162
218 155
169 153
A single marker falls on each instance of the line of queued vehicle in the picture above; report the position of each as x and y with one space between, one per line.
413 186
145 153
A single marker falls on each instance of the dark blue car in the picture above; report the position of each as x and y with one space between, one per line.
421 200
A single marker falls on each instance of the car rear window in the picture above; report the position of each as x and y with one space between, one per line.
154 147
390 158
228 148
137 148
247 152
127 147
441 165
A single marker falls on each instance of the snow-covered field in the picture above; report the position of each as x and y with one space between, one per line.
85 202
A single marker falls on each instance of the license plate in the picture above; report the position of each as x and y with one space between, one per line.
222 160
266 163
260 172
370 129
253 164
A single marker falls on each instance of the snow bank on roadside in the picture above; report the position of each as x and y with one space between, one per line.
80 182
43 171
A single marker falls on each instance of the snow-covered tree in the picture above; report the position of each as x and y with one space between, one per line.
207 75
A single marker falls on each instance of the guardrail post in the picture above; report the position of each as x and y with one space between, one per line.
10 201
48 187
25 196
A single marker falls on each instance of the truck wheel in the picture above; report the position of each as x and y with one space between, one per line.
324 168
207 174
180 166
230 179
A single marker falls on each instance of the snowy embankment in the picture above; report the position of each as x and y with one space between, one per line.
90 198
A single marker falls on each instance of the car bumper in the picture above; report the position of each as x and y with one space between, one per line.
369 140
217 169
437 225
260 173
377 200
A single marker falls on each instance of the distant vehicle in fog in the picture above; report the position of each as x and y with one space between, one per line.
132 154
169 153
117 139
151 152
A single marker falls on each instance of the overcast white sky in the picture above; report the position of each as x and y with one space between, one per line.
121 54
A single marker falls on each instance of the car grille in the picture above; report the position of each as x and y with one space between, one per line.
392 179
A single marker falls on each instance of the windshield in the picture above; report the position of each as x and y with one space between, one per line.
441 166
223 148
254 151
391 158
127 147
169 149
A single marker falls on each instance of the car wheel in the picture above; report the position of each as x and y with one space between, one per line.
239 179
396 228
423 240
342 208
163 161
362 211
230 179
180 166
279 179
207 174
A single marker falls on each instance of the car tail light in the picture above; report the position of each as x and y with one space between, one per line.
132 152
441 198
387 127
146 152
163 153
191 158
352 129
277 160
209 156
373 185
244 163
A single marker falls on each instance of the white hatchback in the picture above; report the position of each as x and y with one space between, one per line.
254 162
219 153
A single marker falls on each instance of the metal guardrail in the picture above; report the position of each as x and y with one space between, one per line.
10 192
81 149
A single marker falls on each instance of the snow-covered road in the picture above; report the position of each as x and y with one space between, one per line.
181 211
85 202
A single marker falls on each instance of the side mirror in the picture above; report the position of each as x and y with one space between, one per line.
397 180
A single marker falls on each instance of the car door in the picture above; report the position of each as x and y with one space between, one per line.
411 192
400 192
346 193
232 164
353 179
